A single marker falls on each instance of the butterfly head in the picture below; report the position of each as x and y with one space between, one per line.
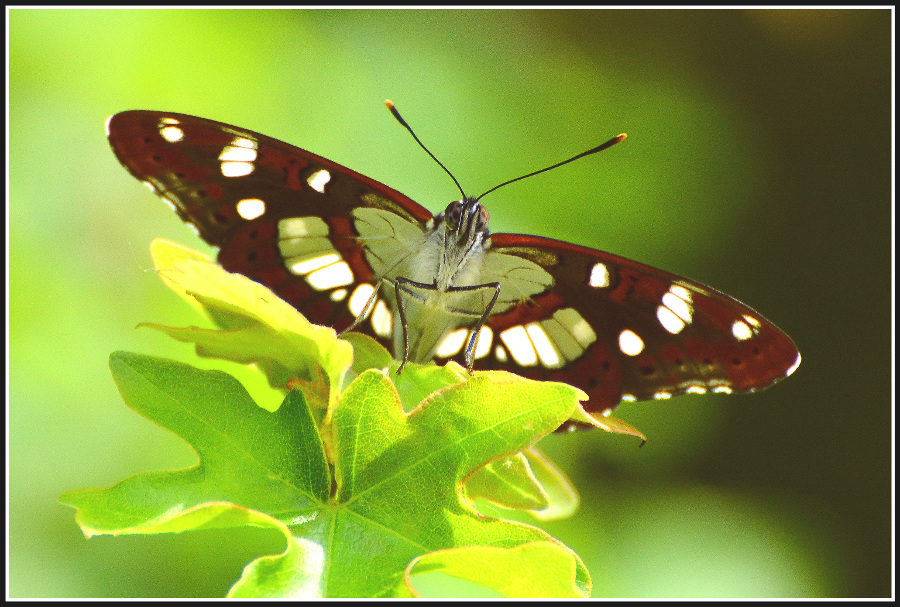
465 220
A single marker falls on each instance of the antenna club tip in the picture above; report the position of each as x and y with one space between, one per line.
389 104
621 136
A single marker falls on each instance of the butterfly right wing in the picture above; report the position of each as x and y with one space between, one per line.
621 330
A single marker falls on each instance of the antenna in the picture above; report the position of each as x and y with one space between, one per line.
390 106
599 148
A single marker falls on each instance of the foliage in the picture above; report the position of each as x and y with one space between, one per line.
371 477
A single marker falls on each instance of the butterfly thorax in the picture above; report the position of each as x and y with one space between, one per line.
450 255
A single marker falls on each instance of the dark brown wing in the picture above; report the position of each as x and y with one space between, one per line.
272 209
625 331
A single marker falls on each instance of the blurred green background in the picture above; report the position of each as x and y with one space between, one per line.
758 161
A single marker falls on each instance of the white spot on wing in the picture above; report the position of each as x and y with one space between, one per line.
516 340
793 367
741 330
669 320
311 265
360 298
236 169
500 353
382 322
243 142
336 275
576 325
237 154
630 343
318 180
452 343
545 350
599 275
483 342
251 208
562 339
681 293
679 306
296 227
172 134
303 238
676 310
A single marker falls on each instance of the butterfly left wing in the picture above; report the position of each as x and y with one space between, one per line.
625 331
278 214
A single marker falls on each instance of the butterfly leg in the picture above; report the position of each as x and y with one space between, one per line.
364 313
399 284
367 308
473 339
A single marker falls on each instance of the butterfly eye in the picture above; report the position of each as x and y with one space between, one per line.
483 219
452 214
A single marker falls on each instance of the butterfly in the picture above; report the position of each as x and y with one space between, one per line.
352 253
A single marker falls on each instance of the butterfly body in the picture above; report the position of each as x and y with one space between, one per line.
428 272
443 263
348 251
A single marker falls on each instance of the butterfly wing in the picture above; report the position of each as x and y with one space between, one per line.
624 331
292 220
277 213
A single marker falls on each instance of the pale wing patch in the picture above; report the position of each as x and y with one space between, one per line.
386 237
238 158
454 342
569 332
519 279
302 240
307 251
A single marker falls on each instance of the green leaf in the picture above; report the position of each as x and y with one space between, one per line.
539 569
607 423
255 468
562 498
508 483
399 474
367 353
258 327
426 379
